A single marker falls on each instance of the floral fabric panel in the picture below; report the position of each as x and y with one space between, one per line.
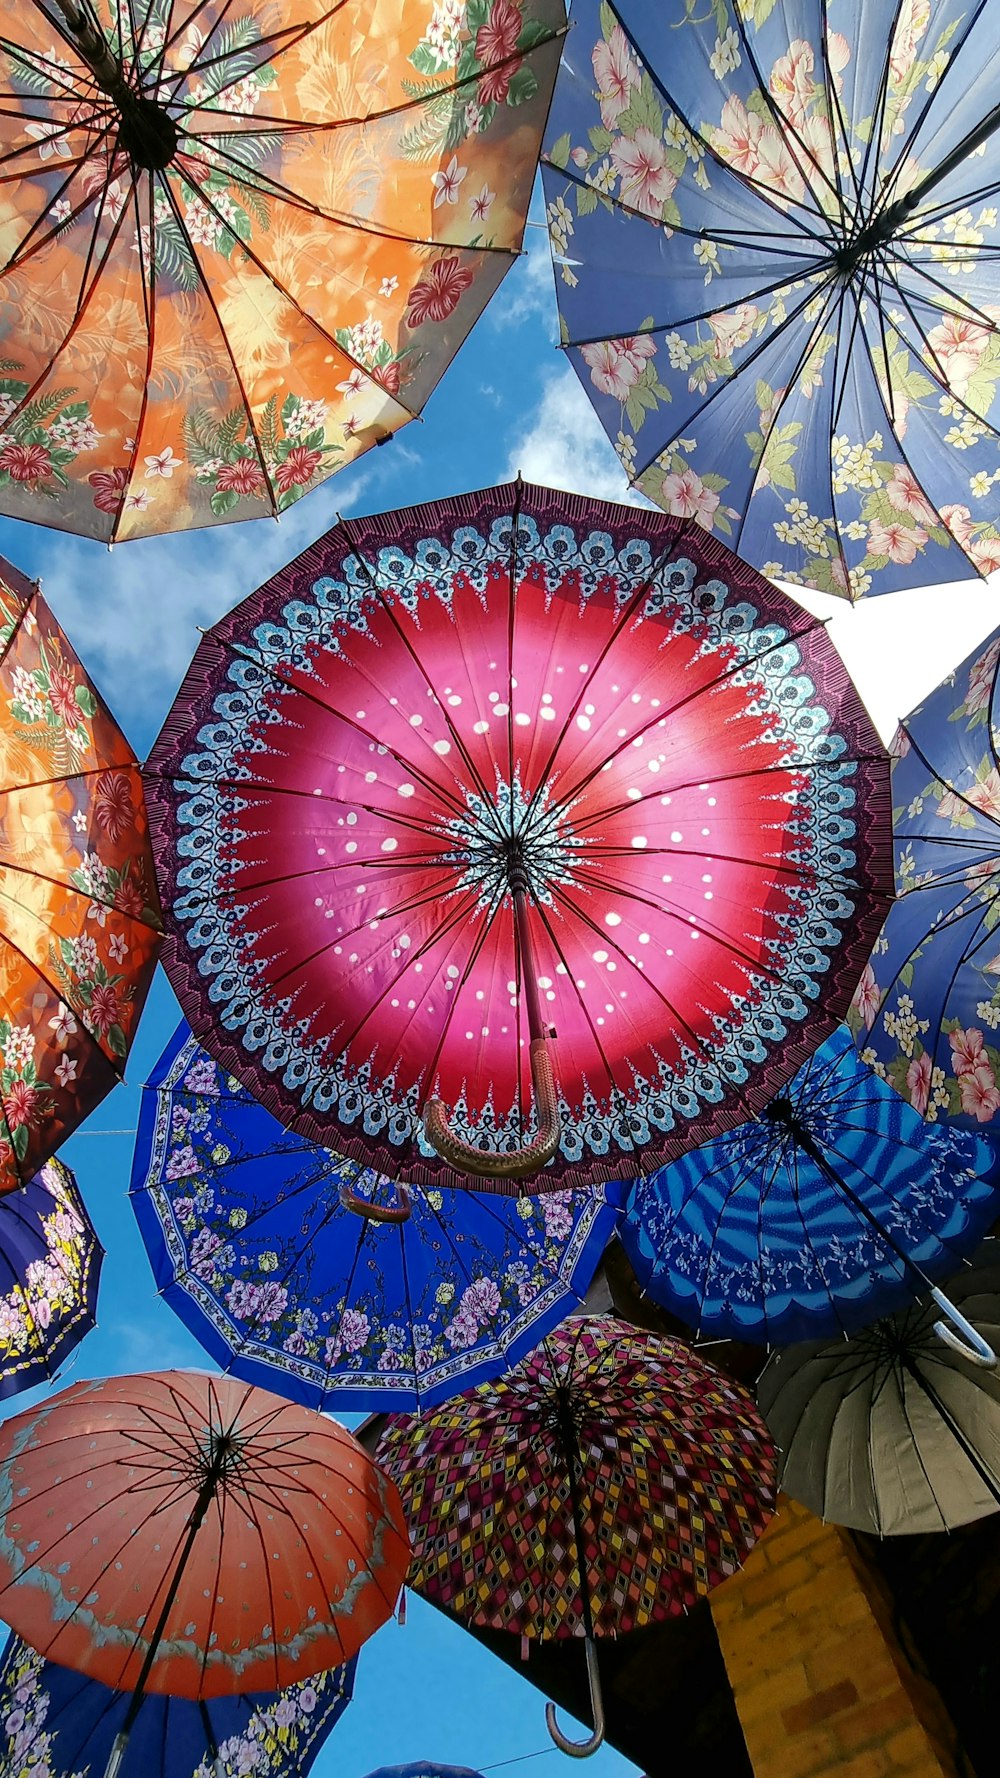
699 799
927 1010
208 339
79 911
251 1245
56 1723
752 1238
829 410
50 1263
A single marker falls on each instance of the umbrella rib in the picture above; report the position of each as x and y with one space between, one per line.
934 96
584 1008
473 958
513 573
710 686
627 612
784 125
722 385
676 787
757 964
263 185
725 237
241 652
873 146
952 839
761 192
831 293
836 111
386 604
147 279
929 359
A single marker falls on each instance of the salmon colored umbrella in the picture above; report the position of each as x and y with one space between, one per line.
517 792
239 245
183 1533
79 911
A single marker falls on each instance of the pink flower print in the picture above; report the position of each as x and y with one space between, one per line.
958 345
838 54
483 204
558 1214
481 1299
792 83
241 1297
906 495
65 1071
307 1700
897 541
205 1244
914 17
867 997
687 496
985 552
182 1162
613 370
980 1098
776 168
737 138
733 330
918 1081
616 73
355 1328
967 1052
981 676
446 182
296 1344
647 181
463 1332
985 795
271 1302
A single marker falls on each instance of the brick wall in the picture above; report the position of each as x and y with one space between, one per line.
819 1680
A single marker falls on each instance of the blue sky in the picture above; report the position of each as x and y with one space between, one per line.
426 1690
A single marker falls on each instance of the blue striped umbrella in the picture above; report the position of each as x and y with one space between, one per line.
56 1723
835 1208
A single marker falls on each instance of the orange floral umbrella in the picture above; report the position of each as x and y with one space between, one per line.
79 912
240 243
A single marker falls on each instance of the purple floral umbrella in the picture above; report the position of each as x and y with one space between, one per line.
50 1264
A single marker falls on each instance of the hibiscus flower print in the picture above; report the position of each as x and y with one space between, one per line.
438 292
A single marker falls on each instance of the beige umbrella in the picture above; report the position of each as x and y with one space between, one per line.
893 1431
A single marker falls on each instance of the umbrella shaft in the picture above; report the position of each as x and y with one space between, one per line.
811 1147
94 49
571 1456
525 951
205 1496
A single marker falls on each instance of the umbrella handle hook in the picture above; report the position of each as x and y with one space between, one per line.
398 1212
520 1163
582 1749
973 1346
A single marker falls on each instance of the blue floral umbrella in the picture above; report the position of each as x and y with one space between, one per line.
424 1768
927 1009
256 1240
56 1723
776 241
832 1209
50 1264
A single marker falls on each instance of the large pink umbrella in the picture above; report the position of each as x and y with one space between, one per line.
517 790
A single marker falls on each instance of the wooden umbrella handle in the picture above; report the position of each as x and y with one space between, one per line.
522 1162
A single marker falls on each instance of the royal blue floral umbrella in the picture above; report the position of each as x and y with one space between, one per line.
56 1723
50 1265
293 1268
927 1009
775 233
837 1206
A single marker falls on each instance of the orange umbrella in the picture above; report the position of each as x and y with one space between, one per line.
187 1534
241 245
79 911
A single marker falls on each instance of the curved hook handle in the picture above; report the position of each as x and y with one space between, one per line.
522 1162
398 1212
582 1749
977 1350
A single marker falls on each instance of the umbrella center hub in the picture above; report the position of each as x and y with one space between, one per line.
147 132
512 832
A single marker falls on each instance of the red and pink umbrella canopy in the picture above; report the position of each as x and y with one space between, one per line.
517 787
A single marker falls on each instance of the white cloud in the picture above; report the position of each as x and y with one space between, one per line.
133 614
563 445
898 647
527 291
